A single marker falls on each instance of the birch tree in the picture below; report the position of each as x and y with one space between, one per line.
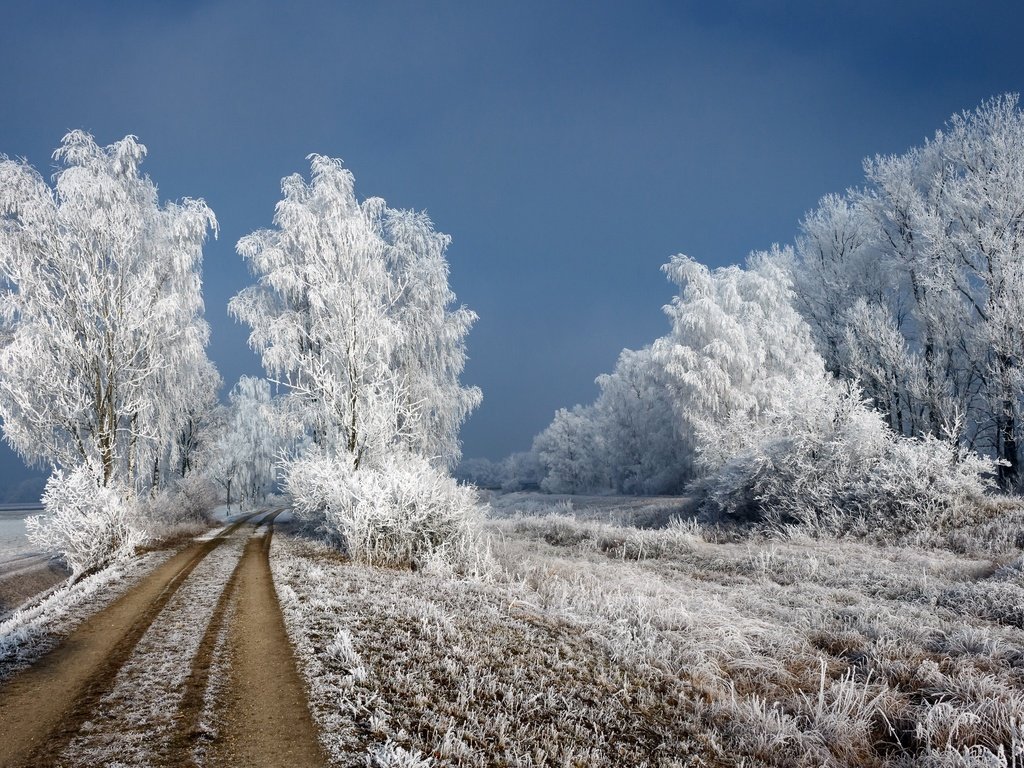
103 359
914 283
736 347
353 314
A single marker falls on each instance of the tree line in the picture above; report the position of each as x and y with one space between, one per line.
104 375
905 293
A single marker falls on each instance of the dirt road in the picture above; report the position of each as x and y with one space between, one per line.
190 667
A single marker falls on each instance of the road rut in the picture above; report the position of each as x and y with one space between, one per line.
263 710
267 717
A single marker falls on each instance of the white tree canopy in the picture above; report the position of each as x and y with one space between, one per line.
570 450
736 348
353 314
103 353
915 284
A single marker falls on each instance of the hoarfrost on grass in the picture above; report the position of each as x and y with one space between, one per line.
775 651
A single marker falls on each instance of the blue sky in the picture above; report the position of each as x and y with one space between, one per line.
569 149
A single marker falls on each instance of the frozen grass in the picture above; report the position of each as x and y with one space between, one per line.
36 628
638 511
411 669
593 643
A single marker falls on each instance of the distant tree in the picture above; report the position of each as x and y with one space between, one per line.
353 315
196 432
643 449
103 359
521 471
253 439
570 452
780 440
480 472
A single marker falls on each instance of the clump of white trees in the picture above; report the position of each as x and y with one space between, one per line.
252 435
353 316
870 377
103 368
777 438
104 375
913 284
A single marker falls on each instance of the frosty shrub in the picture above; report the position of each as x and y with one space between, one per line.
400 512
827 461
189 500
89 524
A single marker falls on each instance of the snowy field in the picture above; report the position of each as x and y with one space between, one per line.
13 541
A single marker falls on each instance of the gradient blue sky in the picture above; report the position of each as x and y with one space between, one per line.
569 149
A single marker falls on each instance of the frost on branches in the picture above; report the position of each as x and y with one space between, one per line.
353 315
399 512
914 285
103 364
90 523
780 440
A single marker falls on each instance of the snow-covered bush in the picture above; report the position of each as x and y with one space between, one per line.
401 512
89 524
829 462
188 502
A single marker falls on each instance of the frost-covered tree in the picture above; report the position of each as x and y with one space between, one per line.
197 431
643 450
103 358
253 438
782 441
914 283
837 266
736 346
570 451
353 314
521 471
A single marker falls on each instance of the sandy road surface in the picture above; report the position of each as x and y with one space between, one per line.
190 667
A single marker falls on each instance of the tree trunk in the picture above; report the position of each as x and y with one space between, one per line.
1007 426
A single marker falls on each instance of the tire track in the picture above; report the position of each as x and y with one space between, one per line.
266 715
181 749
42 708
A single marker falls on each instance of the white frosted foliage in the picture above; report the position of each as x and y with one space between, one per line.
353 314
102 350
